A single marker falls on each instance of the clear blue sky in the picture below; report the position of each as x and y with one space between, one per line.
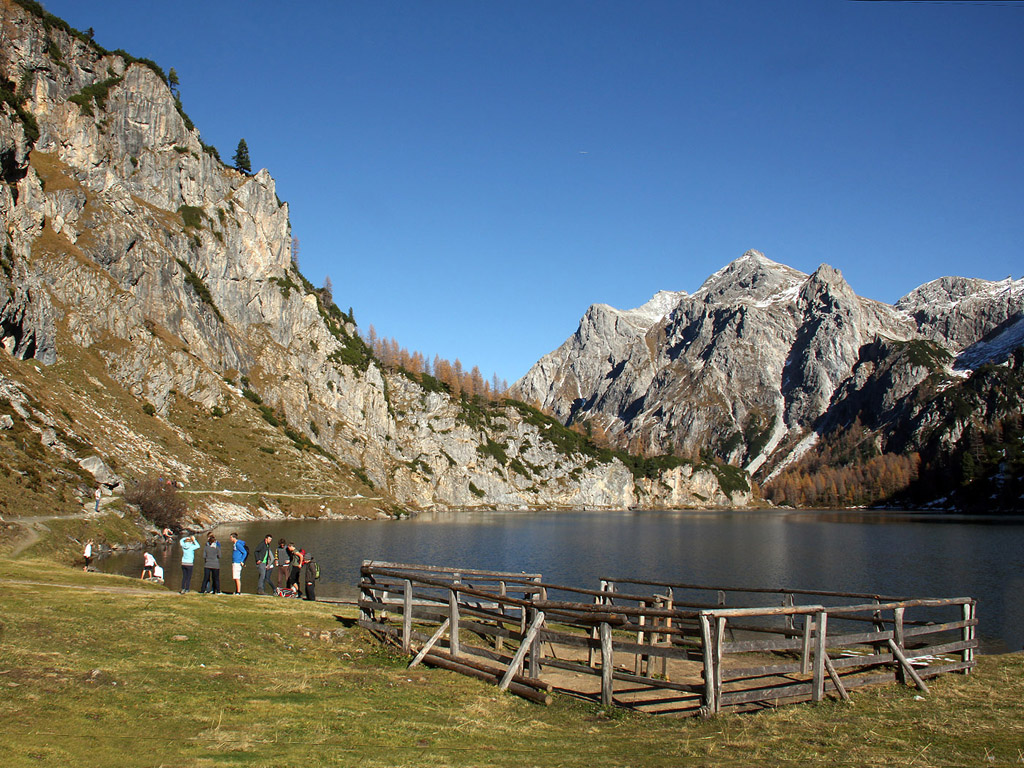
473 175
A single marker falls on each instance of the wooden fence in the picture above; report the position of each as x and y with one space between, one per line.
660 646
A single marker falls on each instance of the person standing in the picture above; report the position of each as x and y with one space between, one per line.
148 564
281 563
96 495
309 576
239 553
211 565
264 563
189 545
87 554
294 567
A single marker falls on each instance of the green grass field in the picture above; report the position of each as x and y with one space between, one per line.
94 672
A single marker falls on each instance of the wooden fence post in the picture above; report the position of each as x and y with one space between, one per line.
805 658
821 625
898 638
499 641
607 665
366 591
967 634
453 619
638 663
407 617
709 677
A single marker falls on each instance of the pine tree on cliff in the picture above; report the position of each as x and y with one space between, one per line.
241 157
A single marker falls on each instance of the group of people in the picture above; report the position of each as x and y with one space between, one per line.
295 569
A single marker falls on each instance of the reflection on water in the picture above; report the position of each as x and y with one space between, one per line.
897 554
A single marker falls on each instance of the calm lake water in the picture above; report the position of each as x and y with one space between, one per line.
904 554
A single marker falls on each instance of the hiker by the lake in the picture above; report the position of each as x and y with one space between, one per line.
189 545
87 554
148 564
294 567
211 565
239 554
310 573
281 563
264 562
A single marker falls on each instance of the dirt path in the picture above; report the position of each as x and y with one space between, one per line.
30 526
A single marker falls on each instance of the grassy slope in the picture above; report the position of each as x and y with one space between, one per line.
94 677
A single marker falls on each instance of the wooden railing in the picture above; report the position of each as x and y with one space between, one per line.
680 647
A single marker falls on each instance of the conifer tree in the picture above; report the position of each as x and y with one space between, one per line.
172 80
241 157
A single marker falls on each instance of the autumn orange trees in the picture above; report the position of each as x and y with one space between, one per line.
453 375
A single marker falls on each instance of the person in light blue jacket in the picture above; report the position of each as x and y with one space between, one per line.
189 545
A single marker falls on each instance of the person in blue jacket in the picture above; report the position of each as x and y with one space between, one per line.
239 552
189 545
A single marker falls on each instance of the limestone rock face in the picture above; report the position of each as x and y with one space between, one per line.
762 351
958 312
756 352
126 239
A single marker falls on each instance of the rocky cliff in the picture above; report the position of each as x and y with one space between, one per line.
763 359
152 316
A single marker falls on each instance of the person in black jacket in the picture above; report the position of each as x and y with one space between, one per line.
211 565
309 576
294 567
264 562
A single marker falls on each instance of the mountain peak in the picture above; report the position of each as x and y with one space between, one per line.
753 276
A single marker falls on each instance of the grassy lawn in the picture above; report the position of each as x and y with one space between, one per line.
94 673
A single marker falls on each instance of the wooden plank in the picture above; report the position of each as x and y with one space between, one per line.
768 670
496 672
753 590
935 671
929 629
430 644
867 660
770 610
654 682
771 693
371 566
524 691
835 641
936 650
516 665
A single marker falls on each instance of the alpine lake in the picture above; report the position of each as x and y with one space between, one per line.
906 554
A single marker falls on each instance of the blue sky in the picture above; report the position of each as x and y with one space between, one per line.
473 175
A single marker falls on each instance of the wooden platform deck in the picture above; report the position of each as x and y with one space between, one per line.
670 649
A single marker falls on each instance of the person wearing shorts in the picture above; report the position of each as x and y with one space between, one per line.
238 554
148 564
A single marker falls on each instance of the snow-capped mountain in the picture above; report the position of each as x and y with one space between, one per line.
757 354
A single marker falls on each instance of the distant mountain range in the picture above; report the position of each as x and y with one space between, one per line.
763 362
